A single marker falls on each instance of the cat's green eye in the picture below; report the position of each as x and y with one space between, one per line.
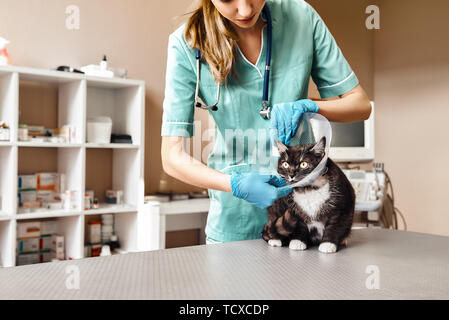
303 165
285 165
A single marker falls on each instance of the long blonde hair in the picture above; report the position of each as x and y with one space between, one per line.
211 33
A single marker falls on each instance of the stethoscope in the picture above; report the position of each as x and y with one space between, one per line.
265 112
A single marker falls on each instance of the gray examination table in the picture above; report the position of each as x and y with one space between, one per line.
377 264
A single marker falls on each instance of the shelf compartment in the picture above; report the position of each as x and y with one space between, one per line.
71 228
122 103
104 171
68 161
125 227
52 103
7 241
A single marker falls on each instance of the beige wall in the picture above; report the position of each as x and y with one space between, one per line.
404 67
412 97
346 21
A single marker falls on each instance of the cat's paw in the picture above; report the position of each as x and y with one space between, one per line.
327 247
297 245
275 243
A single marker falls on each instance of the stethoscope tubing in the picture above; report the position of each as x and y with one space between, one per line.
265 112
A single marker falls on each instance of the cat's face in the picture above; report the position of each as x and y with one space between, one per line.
297 162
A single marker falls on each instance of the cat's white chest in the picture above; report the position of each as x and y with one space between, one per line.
311 201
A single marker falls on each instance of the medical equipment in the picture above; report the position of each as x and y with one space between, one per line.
311 129
368 191
354 142
265 112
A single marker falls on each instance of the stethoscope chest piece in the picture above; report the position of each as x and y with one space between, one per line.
265 113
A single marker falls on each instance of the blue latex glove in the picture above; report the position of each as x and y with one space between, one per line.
285 118
258 189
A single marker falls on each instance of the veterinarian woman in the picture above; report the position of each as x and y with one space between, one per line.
232 40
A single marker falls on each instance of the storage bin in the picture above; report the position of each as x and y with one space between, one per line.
99 130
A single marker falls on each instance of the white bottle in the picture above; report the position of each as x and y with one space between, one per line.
104 64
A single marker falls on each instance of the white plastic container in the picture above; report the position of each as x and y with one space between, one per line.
99 130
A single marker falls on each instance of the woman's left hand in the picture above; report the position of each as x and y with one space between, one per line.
285 117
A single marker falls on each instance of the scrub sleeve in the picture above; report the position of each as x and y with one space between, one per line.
177 118
331 72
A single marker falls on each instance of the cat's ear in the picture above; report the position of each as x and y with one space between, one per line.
281 147
320 147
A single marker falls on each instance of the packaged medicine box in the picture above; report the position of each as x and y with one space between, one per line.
94 232
31 205
27 196
49 227
57 247
28 230
45 243
50 182
28 258
28 245
114 196
27 182
44 196
45 256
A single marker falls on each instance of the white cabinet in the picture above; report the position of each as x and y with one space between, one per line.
76 98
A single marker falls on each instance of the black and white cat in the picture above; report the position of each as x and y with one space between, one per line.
321 213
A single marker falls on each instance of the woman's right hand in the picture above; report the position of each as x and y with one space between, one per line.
258 189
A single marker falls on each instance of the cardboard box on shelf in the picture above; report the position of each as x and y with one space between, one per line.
57 247
45 256
28 230
45 243
44 196
31 205
28 258
27 182
27 245
47 181
27 196
51 182
114 196
94 232
49 227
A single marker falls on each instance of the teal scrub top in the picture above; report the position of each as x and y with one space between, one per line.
302 47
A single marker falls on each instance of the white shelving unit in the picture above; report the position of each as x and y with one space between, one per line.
79 97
